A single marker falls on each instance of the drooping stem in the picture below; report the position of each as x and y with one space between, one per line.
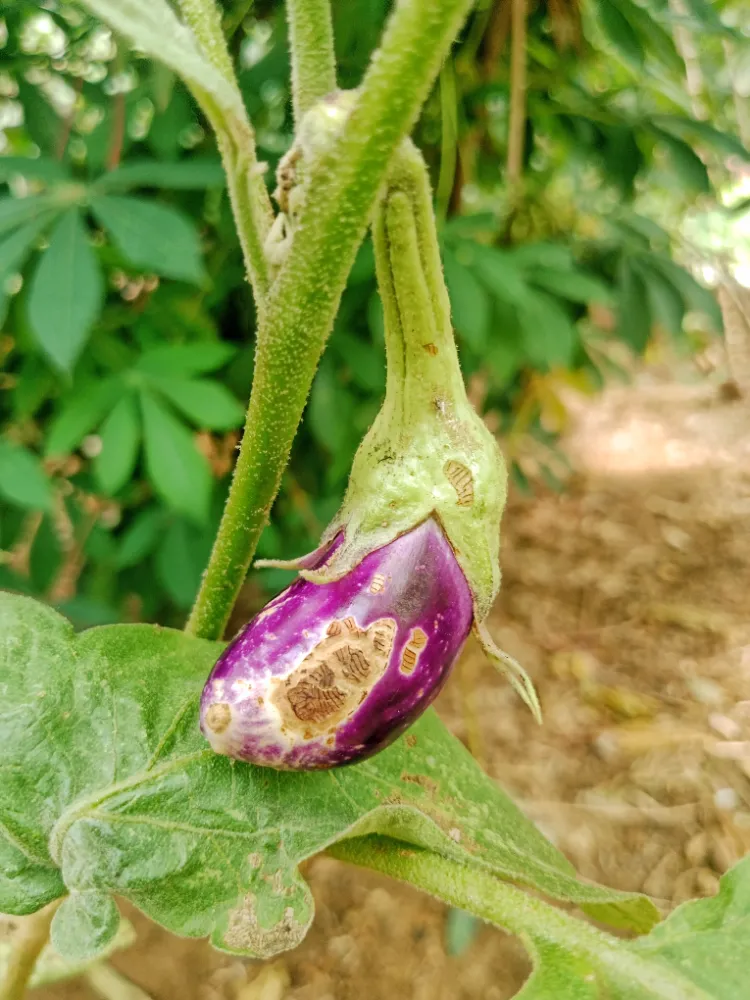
204 18
313 59
512 909
303 301
517 119
27 946
251 205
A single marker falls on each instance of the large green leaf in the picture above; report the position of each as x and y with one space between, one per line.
634 314
177 469
573 285
15 247
120 436
152 236
66 292
700 952
109 788
22 478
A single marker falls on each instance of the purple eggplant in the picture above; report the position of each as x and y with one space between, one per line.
329 674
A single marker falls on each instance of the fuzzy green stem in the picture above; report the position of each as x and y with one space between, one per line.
31 937
204 18
313 59
251 205
534 920
303 301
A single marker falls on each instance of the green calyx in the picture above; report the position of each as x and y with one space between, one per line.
427 453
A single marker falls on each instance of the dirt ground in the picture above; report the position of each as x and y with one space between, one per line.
628 600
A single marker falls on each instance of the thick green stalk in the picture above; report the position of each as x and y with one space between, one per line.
31 937
313 59
302 304
506 906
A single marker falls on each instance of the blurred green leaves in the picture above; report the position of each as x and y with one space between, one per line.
66 291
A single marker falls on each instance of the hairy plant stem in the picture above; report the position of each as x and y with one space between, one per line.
535 921
313 59
302 303
27 946
235 137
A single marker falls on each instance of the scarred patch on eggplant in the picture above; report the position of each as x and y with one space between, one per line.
335 677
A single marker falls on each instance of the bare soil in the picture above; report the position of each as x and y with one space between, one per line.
628 600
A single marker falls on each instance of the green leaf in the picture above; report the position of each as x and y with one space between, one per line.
152 236
66 293
549 336
329 411
686 163
698 133
185 359
575 286
43 168
15 248
154 28
470 306
700 952
666 304
178 471
180 561
620 32
653 36
18 211
109 787
22 479
498 271
695 295
180 176
85 925
206 403
81 412
634 314
140 538
120 437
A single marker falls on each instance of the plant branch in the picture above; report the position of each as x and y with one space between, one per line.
198 54
534 920
313 59
204 18
30 939
251 205
517 121
305 296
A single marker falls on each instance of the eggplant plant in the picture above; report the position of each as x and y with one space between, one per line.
108 786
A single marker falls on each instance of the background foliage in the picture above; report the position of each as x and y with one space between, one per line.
127 341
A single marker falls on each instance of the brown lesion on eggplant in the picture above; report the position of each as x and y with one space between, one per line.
335 677
462 481
410 656
218 716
